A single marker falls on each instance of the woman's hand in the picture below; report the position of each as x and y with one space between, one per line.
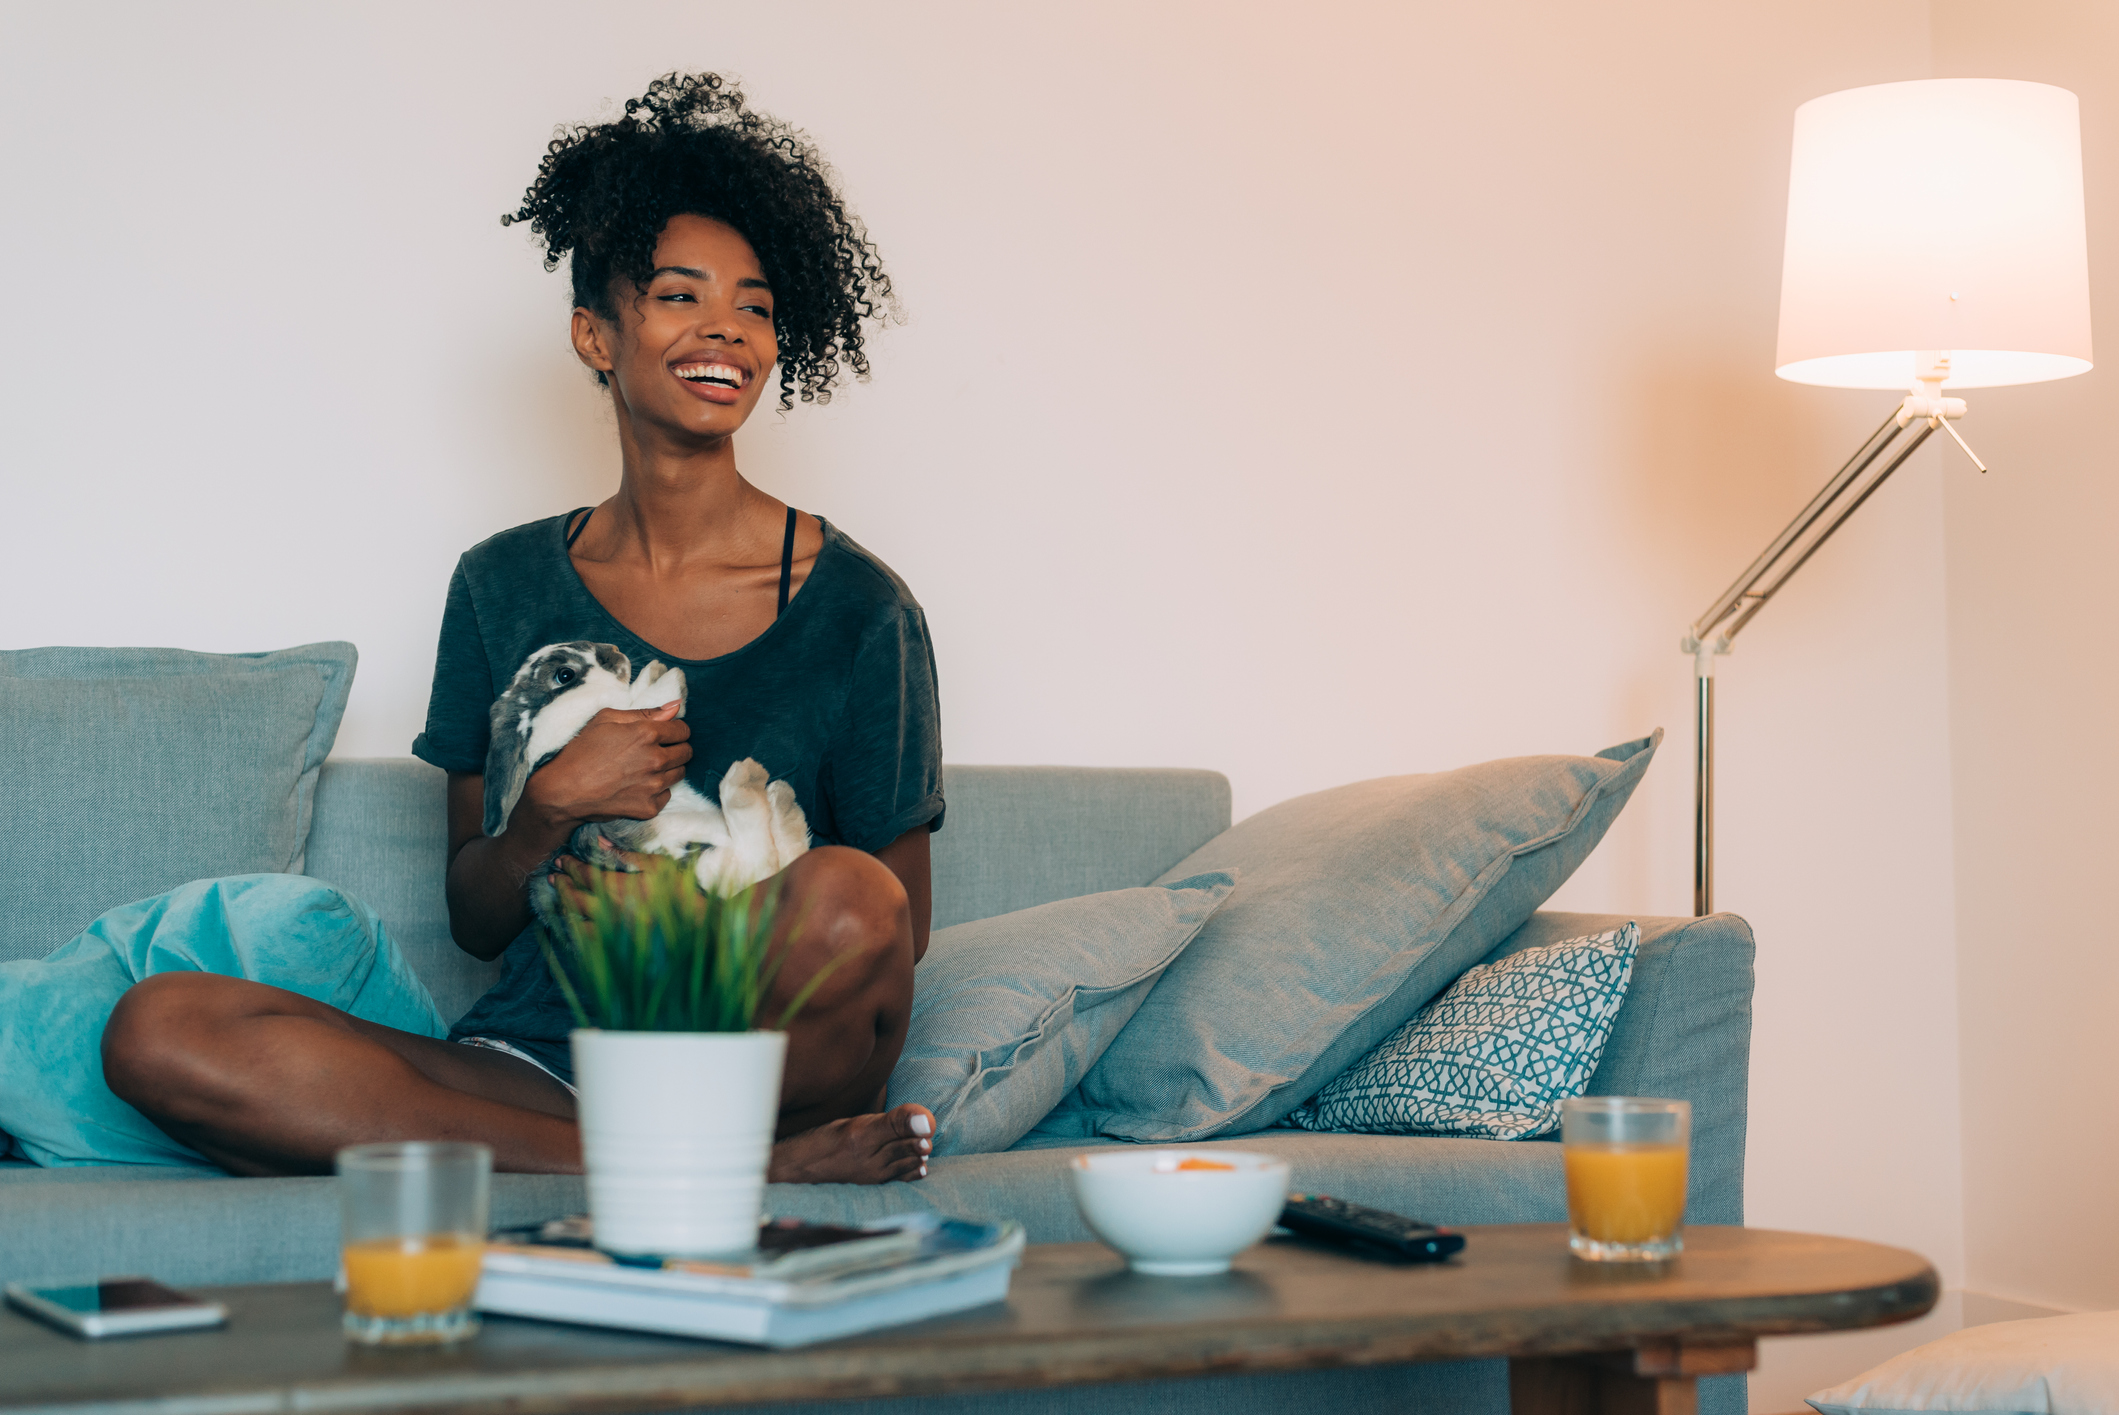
571 876
621 766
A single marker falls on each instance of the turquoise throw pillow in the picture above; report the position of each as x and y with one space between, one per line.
129 771
1009 1013
284 930
1493 1057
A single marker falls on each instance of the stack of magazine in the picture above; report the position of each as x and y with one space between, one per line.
804 1282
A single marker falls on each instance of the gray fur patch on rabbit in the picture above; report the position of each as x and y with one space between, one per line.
757 830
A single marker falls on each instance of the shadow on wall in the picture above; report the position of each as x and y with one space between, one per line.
1703 455
562 451
1723 455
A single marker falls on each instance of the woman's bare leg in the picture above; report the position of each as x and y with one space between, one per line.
265 1081
845 905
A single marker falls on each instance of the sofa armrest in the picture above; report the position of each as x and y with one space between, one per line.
1683 1033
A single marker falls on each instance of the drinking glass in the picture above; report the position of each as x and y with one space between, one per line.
1625 1158
414 1227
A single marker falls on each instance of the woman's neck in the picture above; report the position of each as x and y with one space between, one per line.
682 503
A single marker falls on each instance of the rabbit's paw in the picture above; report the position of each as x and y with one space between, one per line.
657 685
745 778
789 826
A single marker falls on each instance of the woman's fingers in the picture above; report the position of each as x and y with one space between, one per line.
570 901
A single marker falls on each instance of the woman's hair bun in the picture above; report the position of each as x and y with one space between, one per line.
691 145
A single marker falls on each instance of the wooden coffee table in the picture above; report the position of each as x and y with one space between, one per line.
1580 1337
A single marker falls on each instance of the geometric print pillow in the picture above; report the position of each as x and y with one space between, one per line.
1495 1054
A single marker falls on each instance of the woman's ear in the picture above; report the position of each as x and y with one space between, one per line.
592 341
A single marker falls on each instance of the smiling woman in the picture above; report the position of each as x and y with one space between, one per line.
691 146
707 246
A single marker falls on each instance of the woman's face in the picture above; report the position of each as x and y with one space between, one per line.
691 351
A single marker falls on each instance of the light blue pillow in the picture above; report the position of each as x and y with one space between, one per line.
129 771
1493 1057
1356 906
1009 1013
283 930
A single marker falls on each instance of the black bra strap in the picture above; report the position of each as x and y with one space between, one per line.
580 525
787 562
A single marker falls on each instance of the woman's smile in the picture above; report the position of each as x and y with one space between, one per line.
715 380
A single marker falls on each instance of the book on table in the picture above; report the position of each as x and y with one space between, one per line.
803 1283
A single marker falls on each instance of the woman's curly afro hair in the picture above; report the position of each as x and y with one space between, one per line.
691 146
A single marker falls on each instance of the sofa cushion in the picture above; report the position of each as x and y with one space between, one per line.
1494 1056
1356 906
1009 1013
1025 835
186 1228
129 771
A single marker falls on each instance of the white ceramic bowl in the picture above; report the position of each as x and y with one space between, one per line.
1177 1222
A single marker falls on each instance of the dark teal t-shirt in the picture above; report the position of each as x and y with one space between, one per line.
837 697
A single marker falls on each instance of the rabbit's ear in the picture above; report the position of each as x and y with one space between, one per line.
507 760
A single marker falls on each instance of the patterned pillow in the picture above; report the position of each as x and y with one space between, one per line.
1495 1054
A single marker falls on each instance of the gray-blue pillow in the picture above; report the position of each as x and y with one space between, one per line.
1356 906
129 771
1009 1013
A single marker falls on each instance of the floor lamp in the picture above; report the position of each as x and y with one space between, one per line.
1935 238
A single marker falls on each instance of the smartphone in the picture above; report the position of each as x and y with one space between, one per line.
114 1306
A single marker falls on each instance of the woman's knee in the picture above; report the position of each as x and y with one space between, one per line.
848 913
143 1042
850 892
158 1042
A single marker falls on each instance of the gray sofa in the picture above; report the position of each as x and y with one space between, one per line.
1017 836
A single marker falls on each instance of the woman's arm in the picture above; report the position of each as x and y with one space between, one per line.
621 766
908 859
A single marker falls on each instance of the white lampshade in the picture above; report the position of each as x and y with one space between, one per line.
1939 215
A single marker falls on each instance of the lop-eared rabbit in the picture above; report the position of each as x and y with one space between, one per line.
756 831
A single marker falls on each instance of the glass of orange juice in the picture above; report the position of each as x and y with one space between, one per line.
1625 1158
414 1226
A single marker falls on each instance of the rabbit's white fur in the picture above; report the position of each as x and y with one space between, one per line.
757 830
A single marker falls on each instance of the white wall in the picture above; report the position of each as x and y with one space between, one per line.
2033 691
1306 393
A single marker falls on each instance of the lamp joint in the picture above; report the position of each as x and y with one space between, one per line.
1703 652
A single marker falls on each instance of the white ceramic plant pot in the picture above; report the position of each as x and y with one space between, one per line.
676 1130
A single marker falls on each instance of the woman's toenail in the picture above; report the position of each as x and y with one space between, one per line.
922 1125
926 1145
923 1169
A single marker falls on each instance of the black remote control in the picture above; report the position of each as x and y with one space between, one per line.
1378 1230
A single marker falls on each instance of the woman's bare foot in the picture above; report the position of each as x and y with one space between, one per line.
861 1149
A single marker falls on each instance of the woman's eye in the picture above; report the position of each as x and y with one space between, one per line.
759 310
678 295
563 677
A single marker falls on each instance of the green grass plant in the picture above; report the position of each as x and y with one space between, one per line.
654 952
